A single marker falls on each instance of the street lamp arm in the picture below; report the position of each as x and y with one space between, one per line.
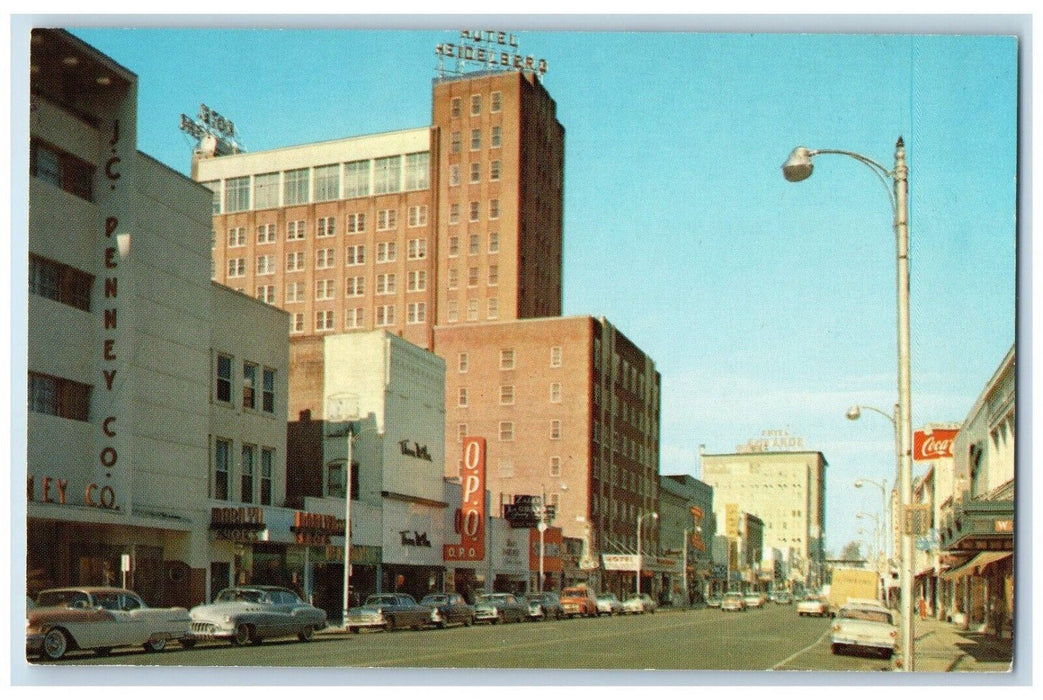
877 410
798 167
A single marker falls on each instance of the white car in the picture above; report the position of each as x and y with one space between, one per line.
609 604
812 606
869 626
639 604
754 599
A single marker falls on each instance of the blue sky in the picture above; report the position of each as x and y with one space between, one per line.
765 304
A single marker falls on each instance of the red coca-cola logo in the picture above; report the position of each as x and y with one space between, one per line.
934 444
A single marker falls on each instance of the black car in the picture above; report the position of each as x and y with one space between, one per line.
449 608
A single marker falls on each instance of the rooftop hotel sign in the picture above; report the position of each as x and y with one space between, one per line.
491 49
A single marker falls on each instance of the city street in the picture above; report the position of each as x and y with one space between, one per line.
773 638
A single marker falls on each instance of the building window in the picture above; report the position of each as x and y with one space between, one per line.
386 283
356 222
506 431
355 286
386 315
555 356
386 252
494 209
451 311
295 187
555 466
473 245
324 320
494 242
473 211
355 255
249 385
59 397
416 312
295 261
387 175
60 283
496 137
237 267
494 275
472 309
266 191
493 307
265 265
418 171
325 227
265 234
461 397
454 142
325 290
476 139
417 249
463 361
295 230
236 237
324 258
454 176
461 431
267 469
297 323
555 392
356 179
454 107
266 293
294 292
506 394
268 391
454 246
417 216
476 105
555 430
387 219
247 474
495 101
224 379
353 318
507 358
472 277
417 280
454 278
327 183
494 171
222 460
62 170
476 173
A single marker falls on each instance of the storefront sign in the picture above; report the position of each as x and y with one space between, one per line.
231 518
491 49
470 523
412 538
552 546
619 562
54 490
933 444
414 450
315 528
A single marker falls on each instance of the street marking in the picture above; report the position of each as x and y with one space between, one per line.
802 651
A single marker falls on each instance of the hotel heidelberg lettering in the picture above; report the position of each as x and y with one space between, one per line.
479 47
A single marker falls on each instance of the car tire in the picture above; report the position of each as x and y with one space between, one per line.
355 630
242 635
834 648
155 645
469 620
497 620
306 634
55 643
187 643
389 625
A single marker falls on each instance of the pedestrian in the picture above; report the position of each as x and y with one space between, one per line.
923 608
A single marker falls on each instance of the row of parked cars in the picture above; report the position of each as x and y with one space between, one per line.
104 618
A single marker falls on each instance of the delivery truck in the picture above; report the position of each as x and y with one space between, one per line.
852 584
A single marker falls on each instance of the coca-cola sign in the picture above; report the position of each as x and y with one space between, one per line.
933 444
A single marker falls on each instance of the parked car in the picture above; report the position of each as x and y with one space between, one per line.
609 604
755 599
713 601
733 602
388 611
543 606
783 598
868 626
813 606
449 608
579 600
495 608
639 604
102 619
251 614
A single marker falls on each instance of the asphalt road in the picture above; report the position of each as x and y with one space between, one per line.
774 638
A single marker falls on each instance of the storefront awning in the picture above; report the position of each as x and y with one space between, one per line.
975 565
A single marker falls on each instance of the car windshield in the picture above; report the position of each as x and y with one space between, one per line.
535 598
70 599
606 596
381 600
438 599
867 615
492 599
232 595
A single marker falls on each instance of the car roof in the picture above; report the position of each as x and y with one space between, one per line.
88 589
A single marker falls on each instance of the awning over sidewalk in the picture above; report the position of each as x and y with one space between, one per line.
975 565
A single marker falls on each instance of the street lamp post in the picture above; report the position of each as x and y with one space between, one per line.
799 167
654 516
884 523
352 438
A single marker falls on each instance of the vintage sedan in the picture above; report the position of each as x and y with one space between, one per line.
449 608
495 608
812 606
714 601
100 618
733 602
639 604
543 606
251 614
865 626
755 599
609 604
388 612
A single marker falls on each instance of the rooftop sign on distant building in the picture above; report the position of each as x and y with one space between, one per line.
214 133
773 441
490 50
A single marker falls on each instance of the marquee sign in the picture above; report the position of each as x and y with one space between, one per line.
933 444
773 441
214 132
471 517
491 49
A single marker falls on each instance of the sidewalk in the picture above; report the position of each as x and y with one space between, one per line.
942 646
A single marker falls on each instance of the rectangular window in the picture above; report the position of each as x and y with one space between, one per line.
294 292
386 283
494 275
494 242
387 175
295 261
356 179
463 361
386 315
476 105
327 183
59 397
416 280
451 312
454 142
357 222
494 209
494 171
324 320
461 431
476 173
353 318
461 397
249 385
355 255
555 466
416 312
496 101
387 219
506 431
265 234
472 309
555 392
417 171
224 379
476 139
496 137
236 267
555 356
295 187
62 170
454 175
473 211
324 258
418 216
507 359
493 310
268 391
473 244
454 213
266 191
454 107
295 230
506 394
355 286
472 277
247 476
267 470
236 237
222 462
237 194
265 265
266 293
386 251
60 283
325 227
454 278
297 323
324 290
417 249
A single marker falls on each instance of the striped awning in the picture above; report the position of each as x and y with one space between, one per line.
975 565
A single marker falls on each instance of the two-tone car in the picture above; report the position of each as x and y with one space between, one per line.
102 619
544 606
495 608
388 612
448 608
250 614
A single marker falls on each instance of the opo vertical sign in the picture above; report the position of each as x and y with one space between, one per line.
470 521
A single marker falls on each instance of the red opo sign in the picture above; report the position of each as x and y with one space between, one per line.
471 521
